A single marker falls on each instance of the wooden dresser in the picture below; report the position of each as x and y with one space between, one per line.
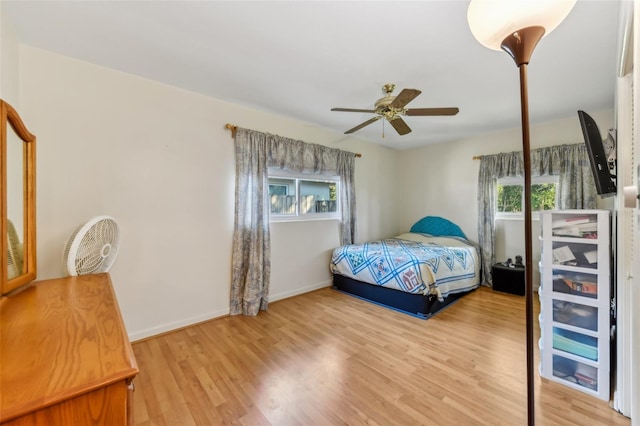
65 357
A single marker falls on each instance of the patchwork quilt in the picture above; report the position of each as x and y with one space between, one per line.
413 263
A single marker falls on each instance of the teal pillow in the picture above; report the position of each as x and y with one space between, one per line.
438 227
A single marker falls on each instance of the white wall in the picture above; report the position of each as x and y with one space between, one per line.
452 192
160 161
9 78
8 62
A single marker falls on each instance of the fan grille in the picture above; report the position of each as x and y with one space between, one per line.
93 247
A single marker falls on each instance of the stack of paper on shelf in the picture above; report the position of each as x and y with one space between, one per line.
581 227
563 255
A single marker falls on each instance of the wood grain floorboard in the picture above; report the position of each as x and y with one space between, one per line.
326 358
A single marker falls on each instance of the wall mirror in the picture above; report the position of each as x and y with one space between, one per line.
17 222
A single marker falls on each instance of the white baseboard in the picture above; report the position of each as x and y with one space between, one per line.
164 328
297 291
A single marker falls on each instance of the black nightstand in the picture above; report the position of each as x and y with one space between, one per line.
508 279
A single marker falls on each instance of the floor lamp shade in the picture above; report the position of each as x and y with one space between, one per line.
491 21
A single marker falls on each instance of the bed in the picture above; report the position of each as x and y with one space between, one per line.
419 272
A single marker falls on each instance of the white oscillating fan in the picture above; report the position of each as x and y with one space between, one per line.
93 247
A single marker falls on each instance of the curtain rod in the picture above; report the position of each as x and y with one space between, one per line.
477 157
234 128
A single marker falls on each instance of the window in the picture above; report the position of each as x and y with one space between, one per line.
278 189
303 197
510 195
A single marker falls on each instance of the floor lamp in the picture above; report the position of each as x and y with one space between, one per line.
516 27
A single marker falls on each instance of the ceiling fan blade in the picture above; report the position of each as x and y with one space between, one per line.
406 96
352 110
366 123
400 126
432 111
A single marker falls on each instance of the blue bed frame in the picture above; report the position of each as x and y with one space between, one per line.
418 305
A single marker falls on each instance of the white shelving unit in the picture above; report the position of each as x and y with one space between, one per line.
575 300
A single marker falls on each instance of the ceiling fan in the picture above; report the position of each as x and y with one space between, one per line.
393 108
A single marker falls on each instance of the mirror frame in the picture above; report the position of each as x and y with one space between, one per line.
10 117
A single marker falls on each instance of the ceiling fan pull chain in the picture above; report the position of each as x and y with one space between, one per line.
383 128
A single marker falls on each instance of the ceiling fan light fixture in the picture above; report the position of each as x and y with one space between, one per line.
384 102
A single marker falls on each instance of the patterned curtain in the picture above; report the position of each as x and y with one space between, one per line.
256 152
345 163
251 258
576 187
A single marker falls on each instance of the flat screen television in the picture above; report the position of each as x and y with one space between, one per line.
605 185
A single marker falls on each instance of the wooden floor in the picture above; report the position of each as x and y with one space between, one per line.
326 358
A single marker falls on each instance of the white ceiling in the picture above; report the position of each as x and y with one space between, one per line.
301 58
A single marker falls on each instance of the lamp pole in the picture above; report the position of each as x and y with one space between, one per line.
516 27
520 45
